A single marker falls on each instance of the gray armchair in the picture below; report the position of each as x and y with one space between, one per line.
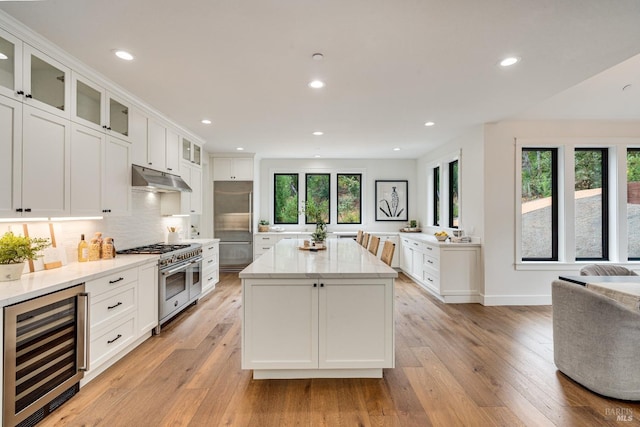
596 341
606 270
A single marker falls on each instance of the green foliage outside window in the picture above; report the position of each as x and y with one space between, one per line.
286 198
317 189
536 174
349 198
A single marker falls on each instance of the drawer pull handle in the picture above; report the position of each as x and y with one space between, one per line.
211 247
115 339
430 262
429 248
210 261
116 281
111 307
430 279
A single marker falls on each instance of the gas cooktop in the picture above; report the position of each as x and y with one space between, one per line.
156 248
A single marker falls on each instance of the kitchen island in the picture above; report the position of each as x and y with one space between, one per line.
324 314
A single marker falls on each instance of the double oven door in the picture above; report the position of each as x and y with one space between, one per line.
179 285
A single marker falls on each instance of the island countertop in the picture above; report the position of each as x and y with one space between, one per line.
343 258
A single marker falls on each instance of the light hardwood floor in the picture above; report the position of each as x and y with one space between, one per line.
456 365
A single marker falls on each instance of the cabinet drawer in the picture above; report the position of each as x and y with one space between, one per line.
107 343
210 261
210 278
261 240
261 249
432 264
109 305
209 250
431 281
111 281
432 251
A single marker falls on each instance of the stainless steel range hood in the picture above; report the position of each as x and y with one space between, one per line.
142 176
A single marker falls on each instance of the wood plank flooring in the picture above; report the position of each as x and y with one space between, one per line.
456 365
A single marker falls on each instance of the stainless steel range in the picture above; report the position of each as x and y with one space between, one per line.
179 276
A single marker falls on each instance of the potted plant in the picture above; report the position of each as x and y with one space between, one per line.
263 225
14 251
315 212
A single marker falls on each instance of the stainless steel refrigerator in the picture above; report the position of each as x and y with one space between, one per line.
233 222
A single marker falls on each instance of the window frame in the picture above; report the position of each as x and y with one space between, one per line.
306 195
338 196
275 207
604 224
454 164
555 199
436 196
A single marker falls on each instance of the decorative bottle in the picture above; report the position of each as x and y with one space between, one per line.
83 250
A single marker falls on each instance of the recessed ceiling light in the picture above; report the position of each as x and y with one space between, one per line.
396 149
206 121
3 56
429 124
318 133
239 148
317 56
316 84
626 87
506 62
123 54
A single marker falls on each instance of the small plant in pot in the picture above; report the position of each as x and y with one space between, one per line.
263 225
315 212
14 251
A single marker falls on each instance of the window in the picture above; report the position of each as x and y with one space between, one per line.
436 195
349 193
633 203
317 191
539 204
454 205
285 198
591 203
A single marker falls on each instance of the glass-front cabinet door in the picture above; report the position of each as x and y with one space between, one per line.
10 65
191 152
118 120
87 103
46 82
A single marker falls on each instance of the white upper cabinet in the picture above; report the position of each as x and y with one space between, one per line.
10 142
138 136
11 65
233 169
191 152
32 77
45 82
173 152
100 173
94 106
45 180
116 178
163 148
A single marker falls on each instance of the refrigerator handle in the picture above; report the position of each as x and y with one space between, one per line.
250 212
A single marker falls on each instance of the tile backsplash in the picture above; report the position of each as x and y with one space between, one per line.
144 226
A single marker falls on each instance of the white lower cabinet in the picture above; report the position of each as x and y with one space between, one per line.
122 313
210 266
262 242
449 271
317 324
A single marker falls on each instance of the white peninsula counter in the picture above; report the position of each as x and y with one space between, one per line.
324 314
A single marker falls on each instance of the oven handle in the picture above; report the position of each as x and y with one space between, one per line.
181 267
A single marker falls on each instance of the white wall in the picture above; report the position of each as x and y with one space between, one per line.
504 284
371 170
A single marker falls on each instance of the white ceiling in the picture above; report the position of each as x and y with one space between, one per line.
389 66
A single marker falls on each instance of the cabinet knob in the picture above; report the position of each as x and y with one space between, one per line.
169 169
315 285
28 96
104 126
19 210
20 92
27 210
322 285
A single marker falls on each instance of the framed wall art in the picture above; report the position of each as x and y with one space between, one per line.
392 202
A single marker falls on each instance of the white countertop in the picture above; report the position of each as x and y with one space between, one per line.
200 240
343 258
428 238
39 283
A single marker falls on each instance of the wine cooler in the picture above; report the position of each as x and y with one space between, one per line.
45 354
